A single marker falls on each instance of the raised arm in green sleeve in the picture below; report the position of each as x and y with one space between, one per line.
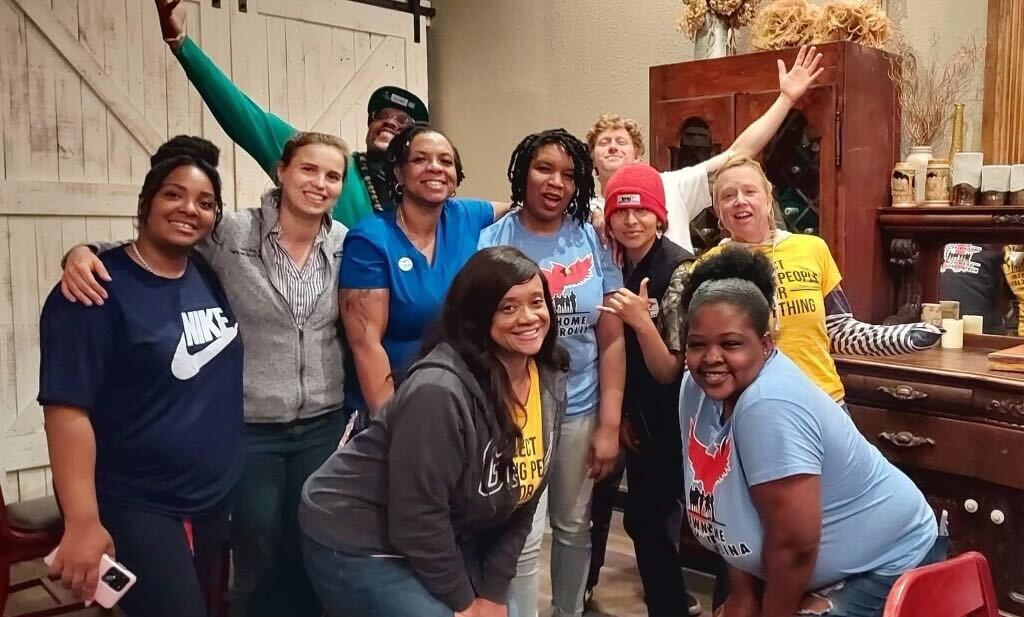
258 132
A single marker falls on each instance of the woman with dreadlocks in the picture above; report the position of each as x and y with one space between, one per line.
396 267
551 174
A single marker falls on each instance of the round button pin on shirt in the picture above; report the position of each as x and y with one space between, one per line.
405 264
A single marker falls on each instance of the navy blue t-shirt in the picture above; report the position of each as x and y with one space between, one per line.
158 368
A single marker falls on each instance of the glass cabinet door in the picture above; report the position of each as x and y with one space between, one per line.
800 159
686 132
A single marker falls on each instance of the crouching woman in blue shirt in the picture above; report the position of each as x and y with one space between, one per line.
143 401
777 479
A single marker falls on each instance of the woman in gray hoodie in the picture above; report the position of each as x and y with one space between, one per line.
425 513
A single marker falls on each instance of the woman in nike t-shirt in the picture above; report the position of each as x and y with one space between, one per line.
143 400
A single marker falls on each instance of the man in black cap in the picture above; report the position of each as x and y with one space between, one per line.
263 134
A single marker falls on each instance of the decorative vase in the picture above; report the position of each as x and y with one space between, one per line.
919 157
936 186
715 39
956 141
903 178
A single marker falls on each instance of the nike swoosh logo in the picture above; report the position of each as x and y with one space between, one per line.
185 366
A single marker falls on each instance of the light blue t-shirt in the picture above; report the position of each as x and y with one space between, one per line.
579 272
378 255
874 519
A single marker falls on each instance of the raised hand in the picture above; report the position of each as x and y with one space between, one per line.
794 82
633 309
172 21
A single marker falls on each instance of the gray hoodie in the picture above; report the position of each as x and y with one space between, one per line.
421 483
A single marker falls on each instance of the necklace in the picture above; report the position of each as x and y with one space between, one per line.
405 228
142 260
364 171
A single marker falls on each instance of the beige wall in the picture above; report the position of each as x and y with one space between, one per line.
500 69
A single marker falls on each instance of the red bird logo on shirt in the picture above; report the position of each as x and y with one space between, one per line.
559 277
708 469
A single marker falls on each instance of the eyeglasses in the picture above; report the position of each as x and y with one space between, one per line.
400 118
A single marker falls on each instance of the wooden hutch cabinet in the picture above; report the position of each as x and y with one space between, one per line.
830 162
950 423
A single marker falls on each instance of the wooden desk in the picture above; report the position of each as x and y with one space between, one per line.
957 429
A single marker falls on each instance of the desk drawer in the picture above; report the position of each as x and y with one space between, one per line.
1000 406
904 394
975 450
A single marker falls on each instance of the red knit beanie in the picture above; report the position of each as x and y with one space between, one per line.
635 186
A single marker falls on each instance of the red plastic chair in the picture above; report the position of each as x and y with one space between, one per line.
29 530
959 587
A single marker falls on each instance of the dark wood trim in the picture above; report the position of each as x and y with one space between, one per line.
409 6
970 223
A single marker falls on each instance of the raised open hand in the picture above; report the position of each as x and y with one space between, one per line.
794 82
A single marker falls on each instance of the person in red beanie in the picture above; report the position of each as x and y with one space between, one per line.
655 271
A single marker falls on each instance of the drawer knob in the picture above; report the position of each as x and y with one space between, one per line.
971 506
997 517
903 392
906 439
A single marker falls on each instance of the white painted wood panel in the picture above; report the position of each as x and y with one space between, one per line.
88 90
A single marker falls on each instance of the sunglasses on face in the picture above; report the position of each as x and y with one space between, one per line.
388 115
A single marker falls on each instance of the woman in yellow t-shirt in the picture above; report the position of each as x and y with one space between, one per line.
812 316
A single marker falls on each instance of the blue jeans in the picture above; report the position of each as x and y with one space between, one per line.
172 577
567 502
864 595
270 580
360 585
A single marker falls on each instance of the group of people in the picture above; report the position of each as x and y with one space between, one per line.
380 394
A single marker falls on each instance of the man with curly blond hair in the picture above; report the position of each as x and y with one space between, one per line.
616 142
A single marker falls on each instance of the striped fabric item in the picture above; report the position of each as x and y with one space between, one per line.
301 288
849 336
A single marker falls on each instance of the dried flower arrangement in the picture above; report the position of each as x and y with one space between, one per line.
928 90
783 24
738 14
788 23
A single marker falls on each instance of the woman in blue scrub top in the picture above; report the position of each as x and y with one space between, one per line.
396 267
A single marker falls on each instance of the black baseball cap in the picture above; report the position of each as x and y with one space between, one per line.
398 98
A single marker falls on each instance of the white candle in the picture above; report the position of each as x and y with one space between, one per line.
954 336
973 324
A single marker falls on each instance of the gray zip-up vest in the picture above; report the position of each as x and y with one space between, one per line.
290 372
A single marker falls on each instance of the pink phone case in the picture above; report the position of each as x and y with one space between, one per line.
114 581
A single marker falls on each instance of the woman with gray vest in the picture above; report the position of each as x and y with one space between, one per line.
279 267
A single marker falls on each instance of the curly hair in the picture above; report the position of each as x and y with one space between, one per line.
737 276
583 169
398 155
611 122
181 151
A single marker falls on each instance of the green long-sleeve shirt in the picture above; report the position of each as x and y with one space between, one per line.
261 133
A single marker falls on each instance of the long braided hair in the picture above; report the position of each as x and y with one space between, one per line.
583 169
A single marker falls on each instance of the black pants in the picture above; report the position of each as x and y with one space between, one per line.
653 516
602 503
172 576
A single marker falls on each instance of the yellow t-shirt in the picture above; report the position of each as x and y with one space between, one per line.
805 273
529 460
1014 271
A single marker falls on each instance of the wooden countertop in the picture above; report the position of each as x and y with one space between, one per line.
969 363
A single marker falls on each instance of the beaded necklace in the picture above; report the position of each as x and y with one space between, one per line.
364 171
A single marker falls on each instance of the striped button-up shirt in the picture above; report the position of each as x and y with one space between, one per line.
300 287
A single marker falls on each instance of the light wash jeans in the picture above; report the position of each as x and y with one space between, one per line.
567 500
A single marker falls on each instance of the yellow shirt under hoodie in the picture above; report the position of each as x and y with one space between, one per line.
805 273
529 460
